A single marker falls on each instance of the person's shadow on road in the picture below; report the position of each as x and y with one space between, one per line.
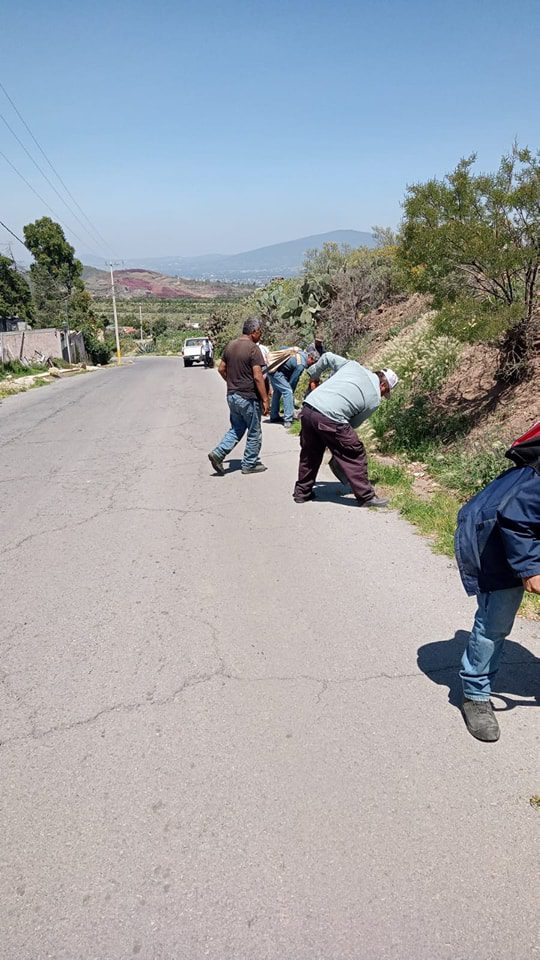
518 678
328 492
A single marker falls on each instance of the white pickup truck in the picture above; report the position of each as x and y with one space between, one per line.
193 351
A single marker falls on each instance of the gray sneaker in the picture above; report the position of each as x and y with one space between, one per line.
480 720
216 463
258 468
374 502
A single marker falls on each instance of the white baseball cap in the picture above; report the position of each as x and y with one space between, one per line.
391 378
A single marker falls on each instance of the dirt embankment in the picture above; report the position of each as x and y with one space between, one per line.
495 411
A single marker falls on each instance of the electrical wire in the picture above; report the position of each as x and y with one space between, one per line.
54 213
53 280
53 168
49 181
5 226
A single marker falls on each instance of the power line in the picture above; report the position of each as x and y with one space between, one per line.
53 279
54 213
53 168
4 225
49 181
59 288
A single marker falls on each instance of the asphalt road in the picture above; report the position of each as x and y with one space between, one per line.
226 730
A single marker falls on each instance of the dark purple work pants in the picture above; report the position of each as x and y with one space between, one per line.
319 432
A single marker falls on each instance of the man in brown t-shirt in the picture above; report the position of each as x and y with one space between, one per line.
241 368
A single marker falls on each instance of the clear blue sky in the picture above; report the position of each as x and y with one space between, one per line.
200 127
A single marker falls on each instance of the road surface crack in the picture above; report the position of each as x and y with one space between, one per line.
110 507
192 681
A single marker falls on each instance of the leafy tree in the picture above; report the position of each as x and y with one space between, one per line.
473 241
368 278
56 275
329 258
50 301
384 236
160 327
15 295
46 241
81 310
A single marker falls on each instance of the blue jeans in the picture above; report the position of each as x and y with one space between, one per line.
245 415
281 389
493 622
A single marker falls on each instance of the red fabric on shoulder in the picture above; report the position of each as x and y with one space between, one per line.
531 434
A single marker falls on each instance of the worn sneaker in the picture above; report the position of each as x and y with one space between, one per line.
288 424
480 720
258 468
304 499
374 502
216 463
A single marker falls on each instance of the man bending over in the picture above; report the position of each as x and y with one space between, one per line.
330 415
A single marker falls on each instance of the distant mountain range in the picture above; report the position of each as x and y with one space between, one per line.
252 266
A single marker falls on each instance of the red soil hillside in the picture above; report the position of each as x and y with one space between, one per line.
146 283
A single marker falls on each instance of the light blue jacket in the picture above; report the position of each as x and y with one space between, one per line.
350 395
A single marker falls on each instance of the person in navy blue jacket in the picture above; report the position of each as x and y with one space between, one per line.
497 545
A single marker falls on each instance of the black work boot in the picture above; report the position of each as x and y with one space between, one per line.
217 463
374 502
480 720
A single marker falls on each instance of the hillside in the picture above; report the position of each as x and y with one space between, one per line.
250 266
471 409
139 283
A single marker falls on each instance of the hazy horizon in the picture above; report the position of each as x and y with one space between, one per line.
189 129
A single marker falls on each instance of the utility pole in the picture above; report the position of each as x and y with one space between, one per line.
140 318
117 336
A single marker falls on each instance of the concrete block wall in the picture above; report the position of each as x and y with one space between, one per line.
24 343
50 342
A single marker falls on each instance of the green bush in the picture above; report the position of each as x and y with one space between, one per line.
421 357
99 352
413 423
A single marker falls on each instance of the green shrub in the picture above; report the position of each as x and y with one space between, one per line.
413 423
420 357
99 352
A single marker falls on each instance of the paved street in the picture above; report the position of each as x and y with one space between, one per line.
225 720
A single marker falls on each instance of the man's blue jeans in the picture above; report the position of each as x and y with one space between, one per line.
493 622
281 389
245 415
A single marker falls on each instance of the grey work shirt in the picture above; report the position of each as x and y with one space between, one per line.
350 395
